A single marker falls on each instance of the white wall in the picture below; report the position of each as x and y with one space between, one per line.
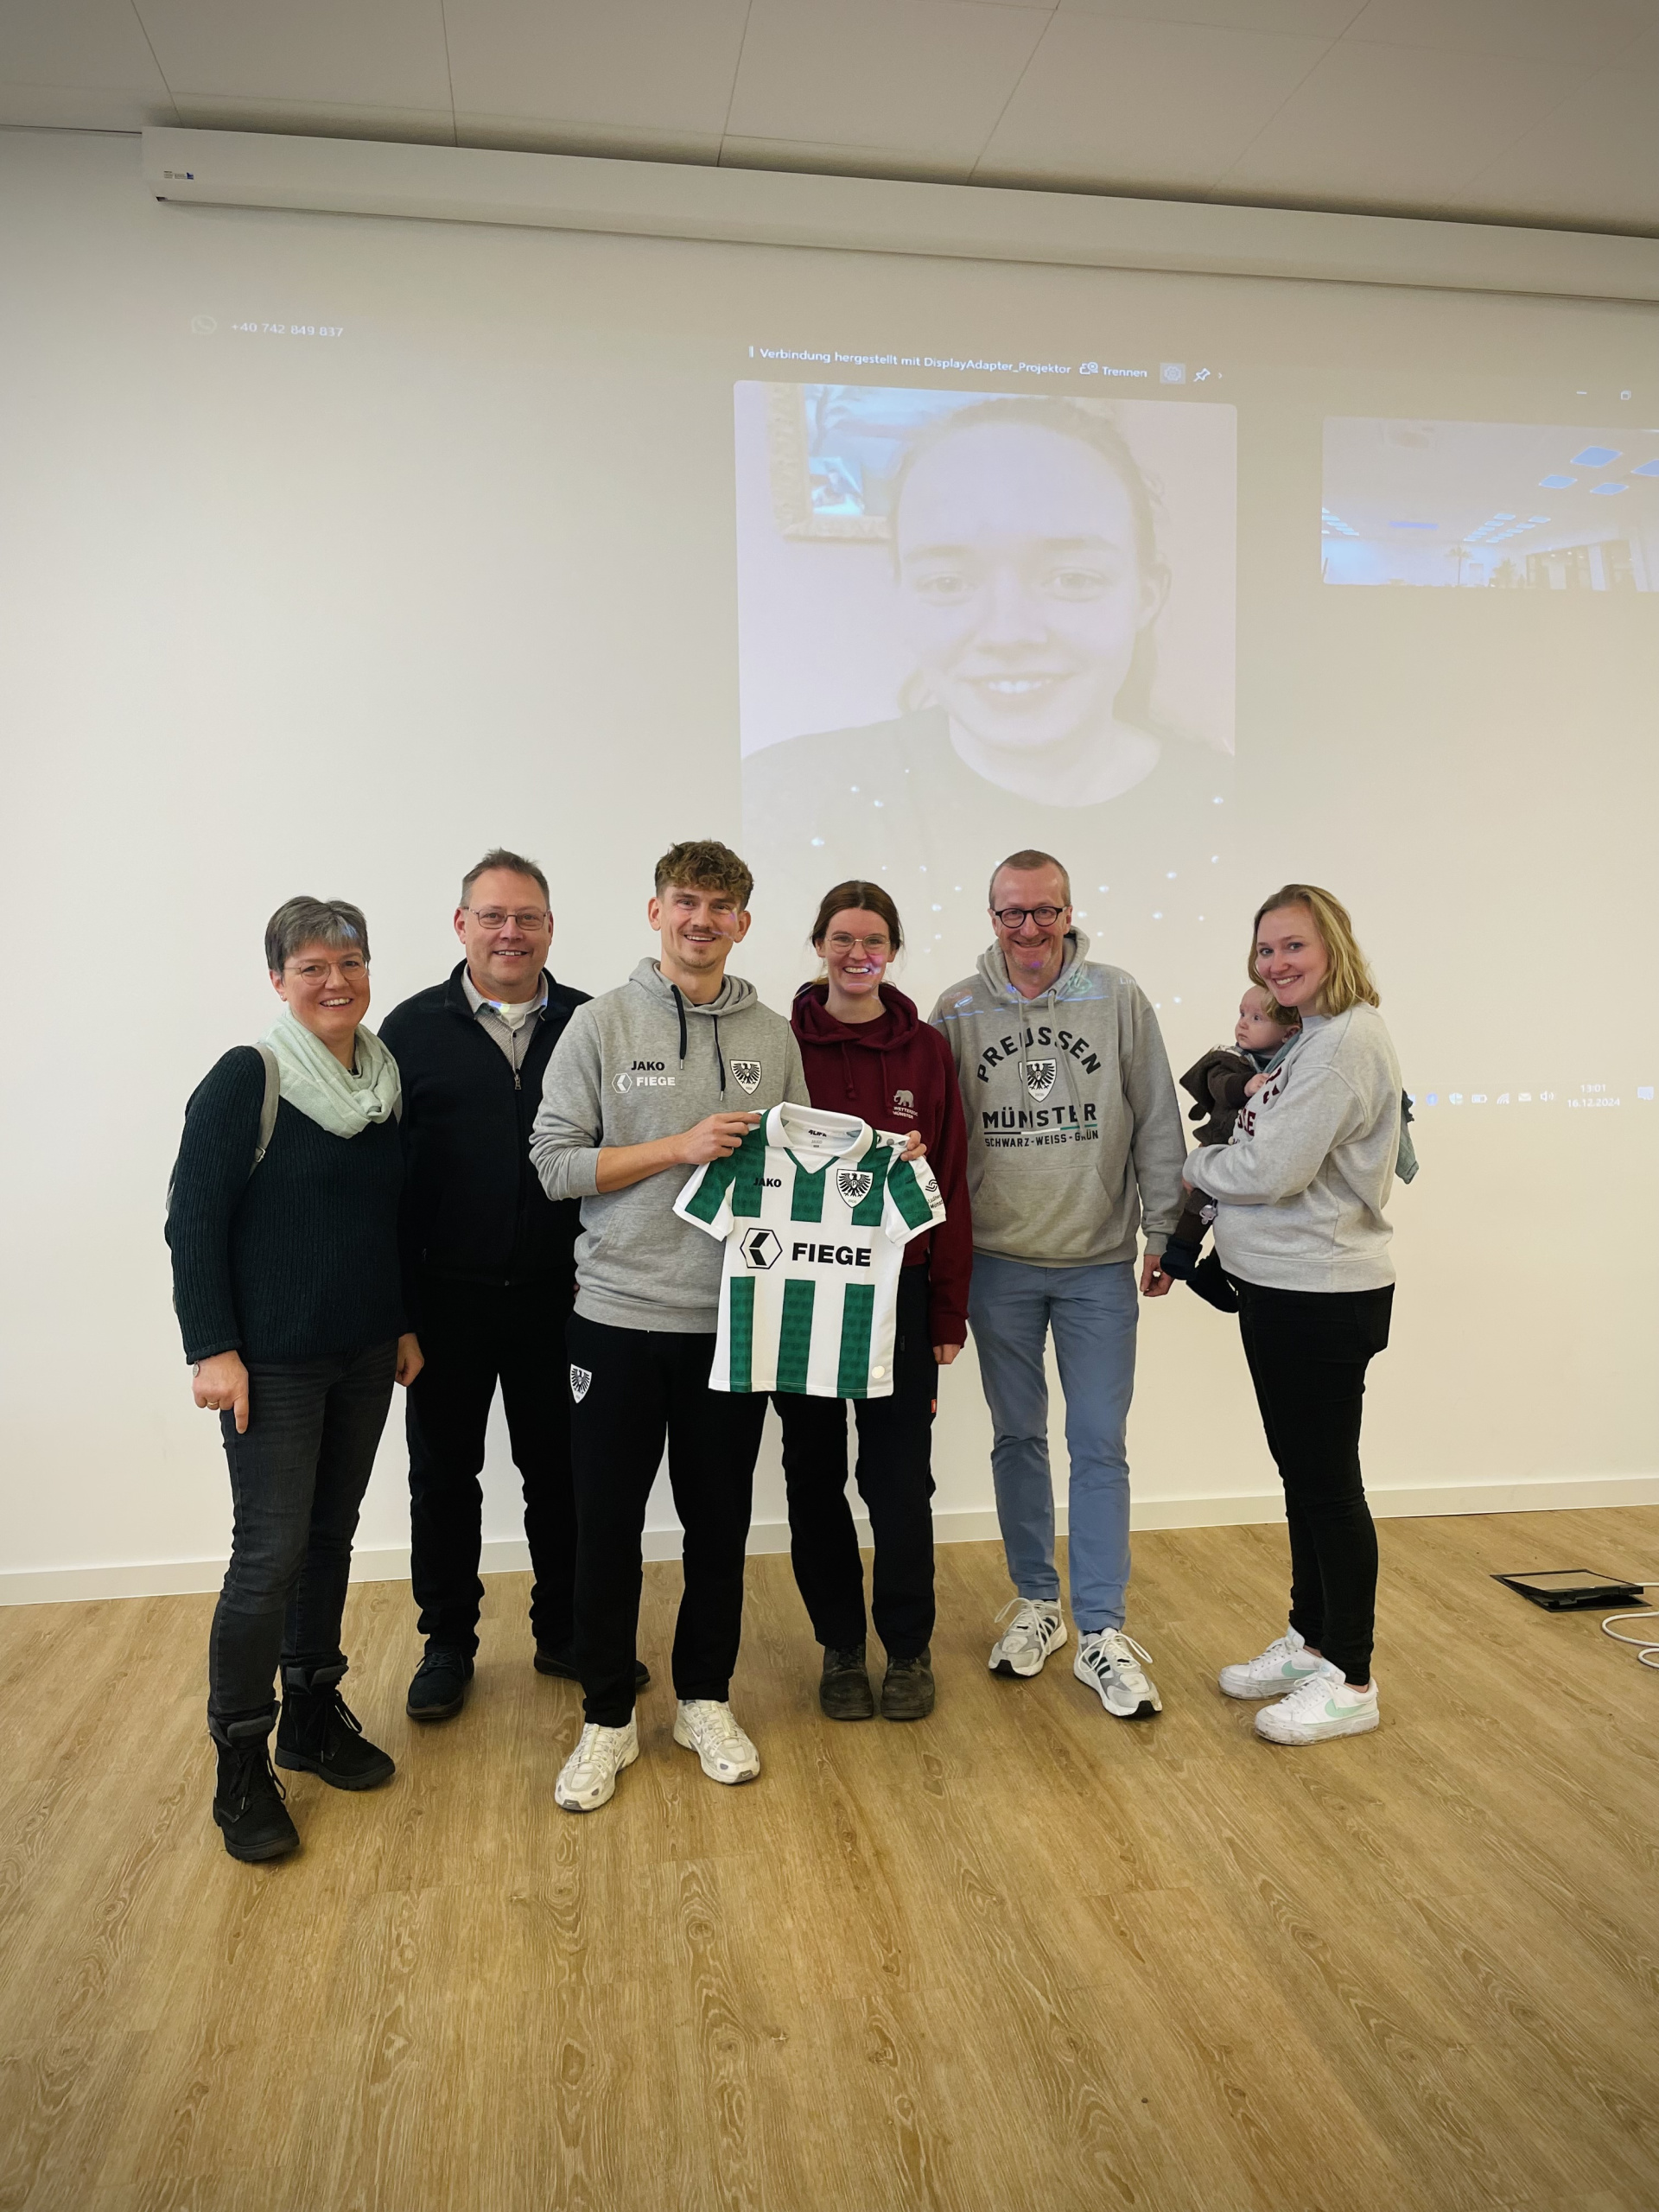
334 619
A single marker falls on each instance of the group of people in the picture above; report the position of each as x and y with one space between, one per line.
509 1186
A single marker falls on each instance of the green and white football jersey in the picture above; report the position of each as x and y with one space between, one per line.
815 1209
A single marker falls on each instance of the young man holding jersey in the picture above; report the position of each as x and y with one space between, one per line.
647 1083
1074 1144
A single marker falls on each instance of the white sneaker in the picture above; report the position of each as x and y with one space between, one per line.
1320 1705
709 1729
587 1778
1036 1630
1109 1662
1285 1662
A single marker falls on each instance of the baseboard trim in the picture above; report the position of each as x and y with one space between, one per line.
971 1525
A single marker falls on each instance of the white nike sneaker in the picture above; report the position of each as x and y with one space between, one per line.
1110 1662
1320 1705
587 1778
710 1730
1036 1630
1273 1672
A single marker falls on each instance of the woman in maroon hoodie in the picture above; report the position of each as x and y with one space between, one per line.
867 1052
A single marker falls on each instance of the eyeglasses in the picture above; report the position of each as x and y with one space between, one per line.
1014 917
874 945
350 969
492 918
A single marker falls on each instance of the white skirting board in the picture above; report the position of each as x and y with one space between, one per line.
509 1555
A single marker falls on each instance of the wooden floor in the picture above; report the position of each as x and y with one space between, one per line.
1018 1956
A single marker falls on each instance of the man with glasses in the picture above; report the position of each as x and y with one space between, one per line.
492 1272
1074 1144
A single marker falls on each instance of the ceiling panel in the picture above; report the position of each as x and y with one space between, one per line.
1385 126
1143 105
77 49
931 75
318 119
376 54
664 64
1588 33
1325 19
1594 162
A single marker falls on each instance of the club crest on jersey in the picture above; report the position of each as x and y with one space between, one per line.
580 1378
759 1248
1039 1077
853 1184
746 1074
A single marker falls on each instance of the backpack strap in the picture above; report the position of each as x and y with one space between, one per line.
271 1100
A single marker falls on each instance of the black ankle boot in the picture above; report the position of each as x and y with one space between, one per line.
319 1733
844 1691
248 1798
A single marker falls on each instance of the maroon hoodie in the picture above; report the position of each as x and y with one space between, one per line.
896 1073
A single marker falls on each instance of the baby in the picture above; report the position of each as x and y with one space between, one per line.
1220 1082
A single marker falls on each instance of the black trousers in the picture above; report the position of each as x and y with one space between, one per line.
474 1336
633 1390
298 1473
1308 1352
894 1473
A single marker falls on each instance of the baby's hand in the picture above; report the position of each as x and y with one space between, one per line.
1254 1084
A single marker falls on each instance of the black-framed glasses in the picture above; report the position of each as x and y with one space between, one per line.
495 918
1014 917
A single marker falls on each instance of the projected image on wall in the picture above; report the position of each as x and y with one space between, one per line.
1500 507
971 621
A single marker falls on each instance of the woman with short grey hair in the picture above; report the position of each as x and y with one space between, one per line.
283 1221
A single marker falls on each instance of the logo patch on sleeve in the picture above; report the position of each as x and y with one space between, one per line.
1039 1077
747 1075
580 1378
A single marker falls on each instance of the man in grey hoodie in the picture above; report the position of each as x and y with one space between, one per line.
1074 1144
646 1084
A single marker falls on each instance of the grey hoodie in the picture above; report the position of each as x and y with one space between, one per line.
632 1065
1303 1181
1074 1130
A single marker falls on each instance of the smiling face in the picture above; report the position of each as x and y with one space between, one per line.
855 949
1291 959
1035 946
507 929
1022 586
325 988
1256 1031
698 930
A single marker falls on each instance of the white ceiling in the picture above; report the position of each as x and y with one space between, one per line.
1539 111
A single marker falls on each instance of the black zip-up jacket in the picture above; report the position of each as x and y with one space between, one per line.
474 1206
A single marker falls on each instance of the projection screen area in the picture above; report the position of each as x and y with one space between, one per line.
338 549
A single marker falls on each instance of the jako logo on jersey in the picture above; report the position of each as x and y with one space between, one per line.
759 1248
1039 1077
580 1379
853 1184
747 1075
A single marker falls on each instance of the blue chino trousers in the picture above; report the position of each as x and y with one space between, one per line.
1093 1312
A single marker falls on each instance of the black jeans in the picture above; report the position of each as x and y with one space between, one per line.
1307 1351
475 1336
895 1480
633 1389
298 1478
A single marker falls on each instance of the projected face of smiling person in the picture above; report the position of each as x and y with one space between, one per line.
1024 596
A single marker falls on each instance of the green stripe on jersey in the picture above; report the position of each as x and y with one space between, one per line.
806 1201
857 1318
908 1195
795 1336
866 1214
706 1200
748 1167
739 1319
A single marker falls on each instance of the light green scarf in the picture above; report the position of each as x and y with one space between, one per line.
335 1098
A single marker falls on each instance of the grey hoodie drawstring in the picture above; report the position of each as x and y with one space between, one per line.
719 1062
679 1008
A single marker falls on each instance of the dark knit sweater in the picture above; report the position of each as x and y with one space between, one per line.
298 1259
